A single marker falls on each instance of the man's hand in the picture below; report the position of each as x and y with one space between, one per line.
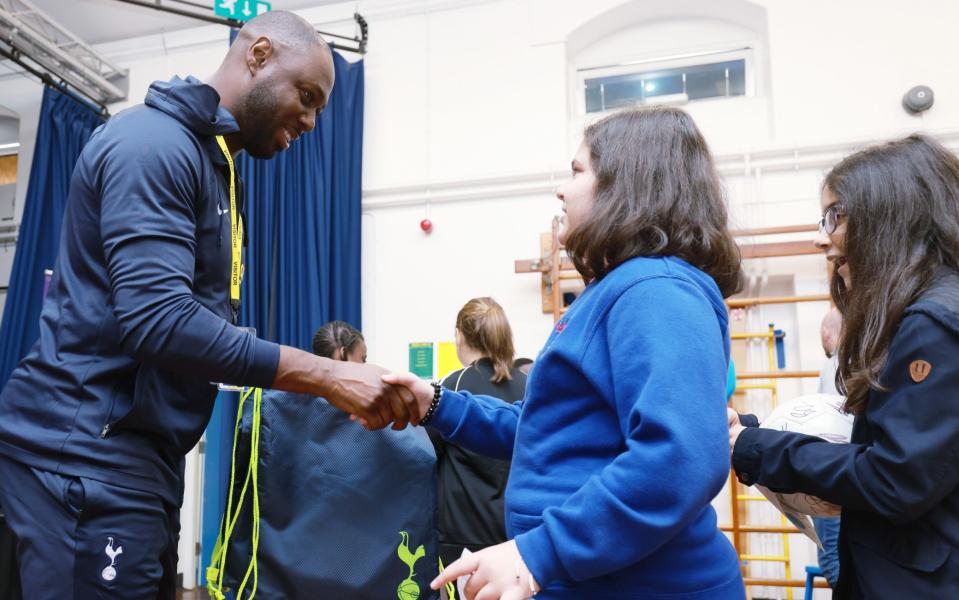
420 389
735 428
497 572
355 388
359 389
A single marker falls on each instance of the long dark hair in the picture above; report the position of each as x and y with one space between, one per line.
333 336
657 194
901 202
483 324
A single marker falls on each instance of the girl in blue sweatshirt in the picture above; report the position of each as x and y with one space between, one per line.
621 440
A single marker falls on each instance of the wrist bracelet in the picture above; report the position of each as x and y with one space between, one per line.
437 394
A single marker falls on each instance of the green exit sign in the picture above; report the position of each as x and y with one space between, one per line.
242 10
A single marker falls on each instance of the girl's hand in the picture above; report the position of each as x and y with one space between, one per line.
735 428
421 389
496 573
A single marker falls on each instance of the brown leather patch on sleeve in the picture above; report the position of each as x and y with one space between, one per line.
919 370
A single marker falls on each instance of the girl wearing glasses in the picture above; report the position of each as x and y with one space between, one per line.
890 228
620 442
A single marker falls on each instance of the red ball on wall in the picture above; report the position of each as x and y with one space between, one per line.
426 225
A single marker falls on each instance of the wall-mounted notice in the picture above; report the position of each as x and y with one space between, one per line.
421 359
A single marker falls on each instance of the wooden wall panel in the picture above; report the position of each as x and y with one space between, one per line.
8 169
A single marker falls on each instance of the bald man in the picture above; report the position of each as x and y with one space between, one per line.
140 318
829 332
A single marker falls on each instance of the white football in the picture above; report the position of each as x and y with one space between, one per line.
814 414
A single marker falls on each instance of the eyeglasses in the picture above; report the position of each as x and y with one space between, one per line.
830 219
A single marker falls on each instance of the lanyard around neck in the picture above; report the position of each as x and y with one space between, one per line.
236 231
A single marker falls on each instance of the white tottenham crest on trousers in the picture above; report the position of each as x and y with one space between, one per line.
110 573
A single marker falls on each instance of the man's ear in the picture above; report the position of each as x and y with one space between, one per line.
258 54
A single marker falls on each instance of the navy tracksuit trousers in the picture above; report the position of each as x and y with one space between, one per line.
83 539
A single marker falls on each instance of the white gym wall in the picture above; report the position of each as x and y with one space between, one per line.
473 106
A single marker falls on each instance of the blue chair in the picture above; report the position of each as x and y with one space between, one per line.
811 574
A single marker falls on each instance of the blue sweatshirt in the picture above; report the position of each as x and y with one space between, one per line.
621 442
137 320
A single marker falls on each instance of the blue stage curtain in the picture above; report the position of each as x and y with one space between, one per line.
303 253
303 223
65 126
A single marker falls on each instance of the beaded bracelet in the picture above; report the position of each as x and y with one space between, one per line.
437 394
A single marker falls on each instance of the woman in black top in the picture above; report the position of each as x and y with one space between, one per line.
471 486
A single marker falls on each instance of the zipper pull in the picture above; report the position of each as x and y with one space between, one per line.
105 431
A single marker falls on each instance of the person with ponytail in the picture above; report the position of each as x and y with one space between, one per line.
890 228
338 340
471 486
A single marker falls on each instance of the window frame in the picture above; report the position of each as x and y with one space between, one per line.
673 61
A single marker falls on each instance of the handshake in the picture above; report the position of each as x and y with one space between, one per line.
371 394
375 397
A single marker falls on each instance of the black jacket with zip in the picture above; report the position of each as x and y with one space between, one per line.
898 479
471 486
137 321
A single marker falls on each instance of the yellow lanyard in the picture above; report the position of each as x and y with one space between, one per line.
236 231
